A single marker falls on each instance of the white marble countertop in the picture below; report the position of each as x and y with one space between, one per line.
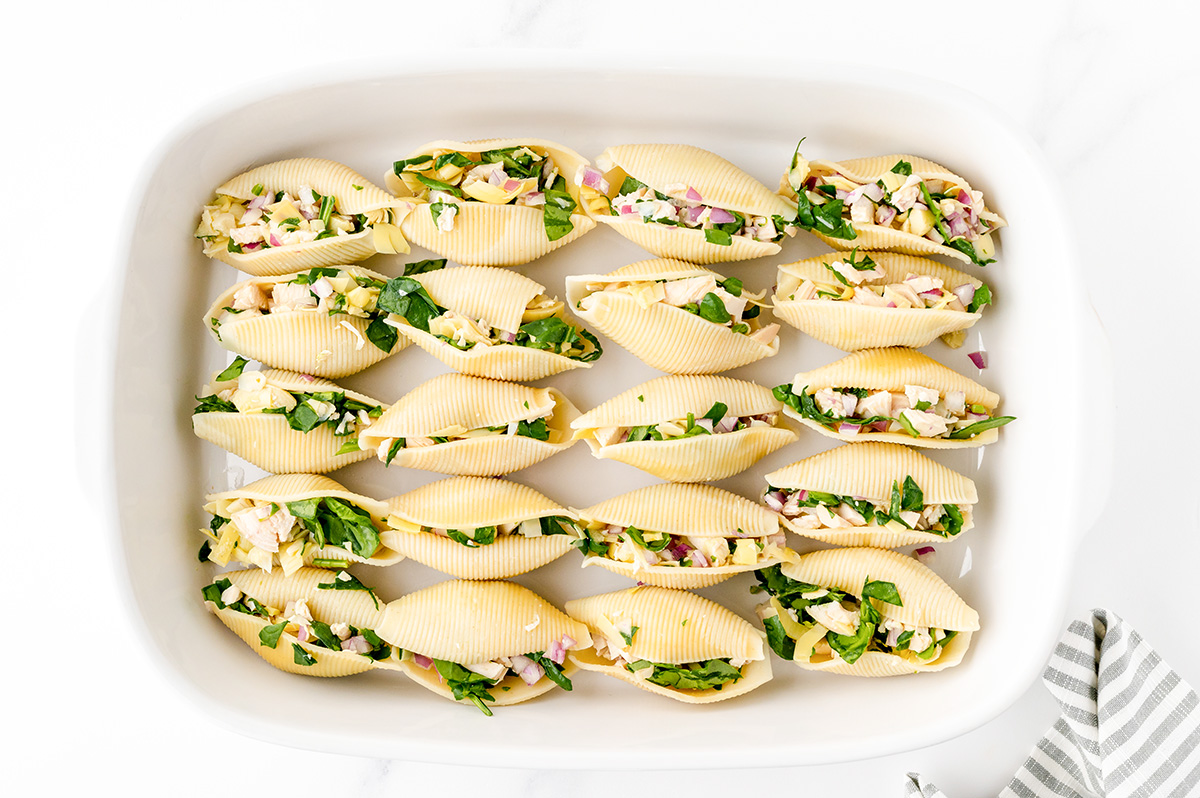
1108 92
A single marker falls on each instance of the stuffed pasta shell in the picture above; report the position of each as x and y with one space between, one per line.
284 422
470 426
872 494
676 317
293 520
500 202
895 396
692 428
679 201
863 612
671 643
325 321
488 323
298 214
490 643
893 202
477 528
311 622
860 300
680 536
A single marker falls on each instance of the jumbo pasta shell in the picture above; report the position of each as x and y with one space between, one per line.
494 235
500 299
719 183
878 237
469 503
673 627
891 369
470 622
458 402
304 341
662 336
692 510
699 458
283 488
869 470
850 326
928 601
355 195
346 606
266 440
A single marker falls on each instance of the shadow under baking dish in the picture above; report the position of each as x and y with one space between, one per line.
1013 567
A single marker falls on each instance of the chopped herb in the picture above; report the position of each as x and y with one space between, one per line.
718 237
713 309
346 581
257 190
465 684
302 657
972 430
269 635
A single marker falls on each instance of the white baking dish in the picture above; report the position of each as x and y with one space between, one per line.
1035 484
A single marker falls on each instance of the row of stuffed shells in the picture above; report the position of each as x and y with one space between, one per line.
679 318
298 214
864 612
504 202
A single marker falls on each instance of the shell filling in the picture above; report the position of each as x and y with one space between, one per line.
238 391
473 681
905 509
722 302
715 422
810 623
486 535
535 427
918 411
296 619
635 201
264 532
711 674
941 211
511 176
649 549
860 281
278 219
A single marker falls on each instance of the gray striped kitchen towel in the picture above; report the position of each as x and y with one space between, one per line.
1129 724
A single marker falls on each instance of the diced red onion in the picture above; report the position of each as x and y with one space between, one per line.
694 214
555 653
275 242
423 661
508 337
679 549
958 227
322 288
307 214
885 214
775 500
847 428
880 426
727 424
593 178
627 210
840 194
511 185
532 673
535 198
698 559
802 495
497 177
979 359
934 236
965 294
720 216
925 554
358 644
307 377
567 641
693 195
963 197
259 201
873 192
302 634
253 245
705 424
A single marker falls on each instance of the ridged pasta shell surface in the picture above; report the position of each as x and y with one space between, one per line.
467 503
673 627
280 489
486 234
662 336
453 404
880 237
927 602
851 326
869 470
267 440
354 195
891 369
353 607
304 340
693 511
698 458
468 622
672 169
499 298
